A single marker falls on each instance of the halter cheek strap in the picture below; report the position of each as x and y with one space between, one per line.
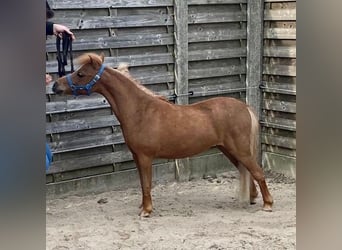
88 86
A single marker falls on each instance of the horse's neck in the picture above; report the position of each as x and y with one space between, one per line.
124 96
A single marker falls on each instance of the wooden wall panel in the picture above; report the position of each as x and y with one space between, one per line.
278 117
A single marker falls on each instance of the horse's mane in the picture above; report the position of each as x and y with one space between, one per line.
122 68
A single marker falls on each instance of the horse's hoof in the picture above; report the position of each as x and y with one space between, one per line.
252 201
253 198
144 213
267 208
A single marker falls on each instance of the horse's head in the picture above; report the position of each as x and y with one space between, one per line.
83 80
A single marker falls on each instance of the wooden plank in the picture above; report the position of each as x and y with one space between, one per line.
79 135
213 54
217 17
73 144
80 173
131 60
280 15
279 141
91 4
280 51
279 150
89 161
141 60
221 35
211 90
224 81
122 41
276 105
63 116
105 22
149 78
282 70
277 1
271 87
181 73
205 2
217 71
217 92
81 124
77 23
279 123
77 105
280 163
142 40
221 83
280 33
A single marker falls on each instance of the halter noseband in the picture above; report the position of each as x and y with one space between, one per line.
86 87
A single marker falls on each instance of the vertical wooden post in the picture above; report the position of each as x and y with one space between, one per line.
181 51
181 72
255 16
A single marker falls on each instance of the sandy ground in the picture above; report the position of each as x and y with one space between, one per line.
200 214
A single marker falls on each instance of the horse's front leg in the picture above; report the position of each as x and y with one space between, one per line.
144 165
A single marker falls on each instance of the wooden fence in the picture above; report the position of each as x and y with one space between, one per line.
195 49
278 118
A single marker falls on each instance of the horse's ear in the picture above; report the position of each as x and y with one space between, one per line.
91 59
94 60
102 56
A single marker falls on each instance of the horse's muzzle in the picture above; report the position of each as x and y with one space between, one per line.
55 89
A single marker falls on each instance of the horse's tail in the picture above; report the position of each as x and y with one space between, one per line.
254 138
244 192
245 176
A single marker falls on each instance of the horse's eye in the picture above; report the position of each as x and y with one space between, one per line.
79 74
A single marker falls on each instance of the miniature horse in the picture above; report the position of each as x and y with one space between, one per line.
155 128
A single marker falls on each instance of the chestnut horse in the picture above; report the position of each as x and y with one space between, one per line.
155 128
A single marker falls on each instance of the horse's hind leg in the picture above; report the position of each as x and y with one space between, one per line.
246 180
258 174
253 191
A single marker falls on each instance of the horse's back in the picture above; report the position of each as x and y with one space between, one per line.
226 107
230 116
228 102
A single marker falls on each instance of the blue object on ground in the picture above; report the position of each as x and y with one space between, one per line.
48 157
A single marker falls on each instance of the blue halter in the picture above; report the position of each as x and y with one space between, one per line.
86 87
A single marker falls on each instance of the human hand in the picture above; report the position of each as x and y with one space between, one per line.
58 30
48 78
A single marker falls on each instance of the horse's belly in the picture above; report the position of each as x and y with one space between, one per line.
185 147
179 154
